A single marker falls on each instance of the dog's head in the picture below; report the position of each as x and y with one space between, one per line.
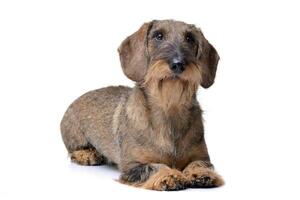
169 49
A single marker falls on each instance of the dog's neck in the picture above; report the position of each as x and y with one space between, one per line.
171 96
168 104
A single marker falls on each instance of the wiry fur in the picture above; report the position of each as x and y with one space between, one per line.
169 92
154 131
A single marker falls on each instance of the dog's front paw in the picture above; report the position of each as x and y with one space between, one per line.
166 180
202 177
170 182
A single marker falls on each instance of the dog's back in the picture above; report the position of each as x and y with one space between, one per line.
92 112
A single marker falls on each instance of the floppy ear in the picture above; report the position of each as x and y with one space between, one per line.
133 53
209 59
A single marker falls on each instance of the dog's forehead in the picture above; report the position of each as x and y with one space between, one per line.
172 26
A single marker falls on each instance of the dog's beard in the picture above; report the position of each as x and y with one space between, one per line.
170 91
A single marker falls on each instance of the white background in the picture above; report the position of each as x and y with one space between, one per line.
51 52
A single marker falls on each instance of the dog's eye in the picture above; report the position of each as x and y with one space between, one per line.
158 36
190 38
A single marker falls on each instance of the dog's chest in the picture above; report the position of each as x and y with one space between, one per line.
171 149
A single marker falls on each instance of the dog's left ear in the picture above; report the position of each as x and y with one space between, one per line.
208 59
133 53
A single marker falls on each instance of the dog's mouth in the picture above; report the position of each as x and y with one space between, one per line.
170 77
175 76
160 71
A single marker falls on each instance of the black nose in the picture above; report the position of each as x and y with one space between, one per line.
177 66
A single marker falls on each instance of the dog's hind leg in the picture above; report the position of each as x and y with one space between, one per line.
87 157
80 150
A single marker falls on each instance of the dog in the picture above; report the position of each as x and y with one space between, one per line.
152 132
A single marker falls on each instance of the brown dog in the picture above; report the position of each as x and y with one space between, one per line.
154 131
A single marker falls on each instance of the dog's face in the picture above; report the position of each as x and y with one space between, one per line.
175 43
168 49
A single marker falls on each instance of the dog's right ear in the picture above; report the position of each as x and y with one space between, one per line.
133 53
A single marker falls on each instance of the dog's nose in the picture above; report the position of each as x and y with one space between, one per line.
177 66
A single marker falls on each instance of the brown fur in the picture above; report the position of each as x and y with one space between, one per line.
166 179
87 157
171 94
201 174
153 131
